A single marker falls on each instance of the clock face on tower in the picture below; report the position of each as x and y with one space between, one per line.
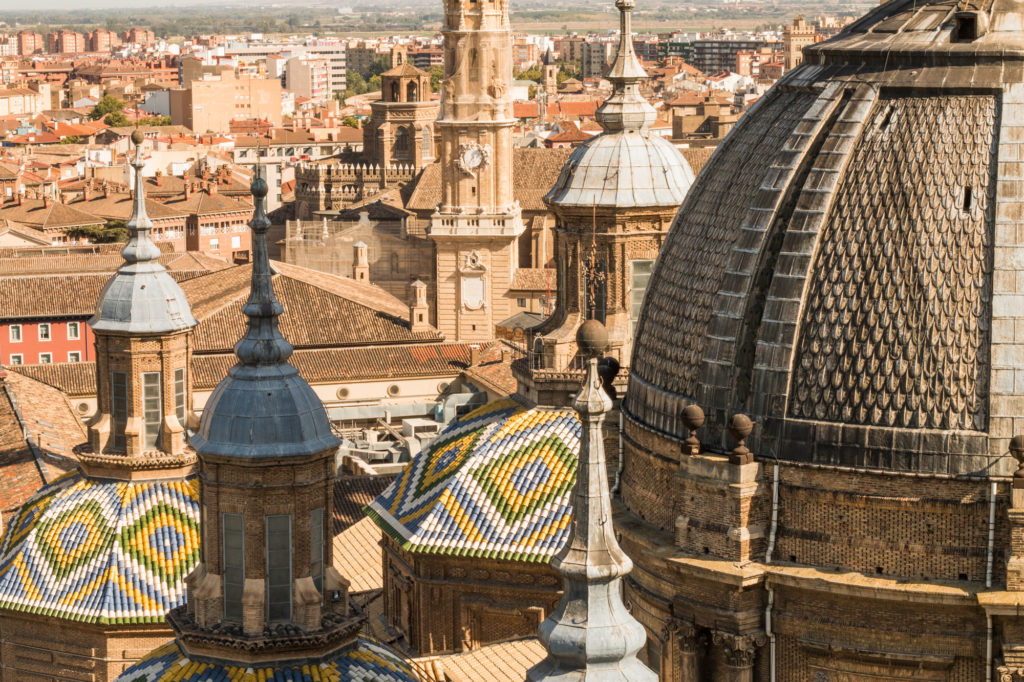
472 157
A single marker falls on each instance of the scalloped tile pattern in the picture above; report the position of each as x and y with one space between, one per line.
497 483
894 330
101 551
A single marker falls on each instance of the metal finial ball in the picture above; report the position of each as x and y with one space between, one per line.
137 137
592 338
740 426
258 187
693 417
1017 447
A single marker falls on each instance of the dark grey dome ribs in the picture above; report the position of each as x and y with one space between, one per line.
670 336
894 330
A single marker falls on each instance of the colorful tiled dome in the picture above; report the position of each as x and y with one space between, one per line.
366 662
497 483
101 551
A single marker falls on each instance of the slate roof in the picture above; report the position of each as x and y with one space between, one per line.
496 483
368 661
101 551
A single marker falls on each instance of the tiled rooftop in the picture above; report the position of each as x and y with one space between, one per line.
497 484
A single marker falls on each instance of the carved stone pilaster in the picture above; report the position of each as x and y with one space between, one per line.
1010 673
684 641
740 653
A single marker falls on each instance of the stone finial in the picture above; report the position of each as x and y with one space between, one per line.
739 428
592 339
591 637
1017 452
693 419
140 247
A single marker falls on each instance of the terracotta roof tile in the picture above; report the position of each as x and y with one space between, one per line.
534 172
499 662
51 424
534 279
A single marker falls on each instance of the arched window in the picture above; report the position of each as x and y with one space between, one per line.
402 143
395 92
410 92
428 141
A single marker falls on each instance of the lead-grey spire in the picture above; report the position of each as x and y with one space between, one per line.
626 108
141 297
263 343
263 408
591 637
140 247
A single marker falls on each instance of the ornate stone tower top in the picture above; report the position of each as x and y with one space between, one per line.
143 352
476 98
478 220
591 637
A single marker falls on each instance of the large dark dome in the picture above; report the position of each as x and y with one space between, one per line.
846 268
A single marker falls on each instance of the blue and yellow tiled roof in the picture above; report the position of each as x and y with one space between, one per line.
497 483
101 551
366 662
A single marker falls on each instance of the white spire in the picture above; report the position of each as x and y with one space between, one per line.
591 637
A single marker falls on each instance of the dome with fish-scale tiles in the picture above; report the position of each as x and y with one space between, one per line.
845 268
496 484
101 551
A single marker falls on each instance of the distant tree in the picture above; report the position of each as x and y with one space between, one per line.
106 106
436 76
155 121
116 120
531 74
71 139
379 65
532 92
350 121
113 232
373 85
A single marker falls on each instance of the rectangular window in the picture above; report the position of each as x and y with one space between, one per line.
44 331
73 331
279 567
16 359
215 245
641 276
179 395
45 358
316 548
151 409
74 356
521 302
233 536
119 406
236 242
15 333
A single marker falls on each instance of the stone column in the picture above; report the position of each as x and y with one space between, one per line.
683 643
740 654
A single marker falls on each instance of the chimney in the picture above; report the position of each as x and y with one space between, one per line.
361 263
474 355
106 190
46 201
188 190
159 178
85 193
419 317
211 188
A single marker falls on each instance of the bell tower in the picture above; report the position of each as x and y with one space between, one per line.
476 226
